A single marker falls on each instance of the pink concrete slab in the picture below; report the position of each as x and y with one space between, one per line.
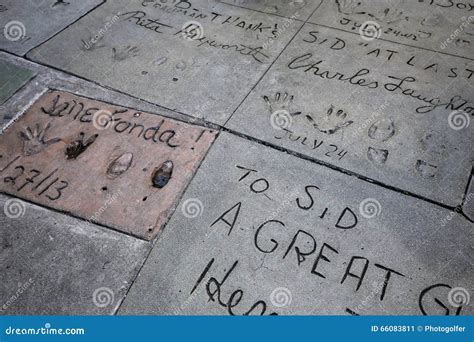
107 164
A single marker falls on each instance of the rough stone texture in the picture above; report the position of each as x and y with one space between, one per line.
26 24
12 78
52 264
66 153
297 9
395 231
468 204
48 78
337 99
205 72
444 26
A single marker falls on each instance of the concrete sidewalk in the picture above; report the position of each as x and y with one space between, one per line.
188 157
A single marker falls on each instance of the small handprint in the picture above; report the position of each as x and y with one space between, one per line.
78 146
123 53
34 141
334 121
280 102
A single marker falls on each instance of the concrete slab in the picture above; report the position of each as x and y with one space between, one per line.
199 58
396 114
47 78
272 233
12 78
443 26
297 9
26 24
53 264
108 164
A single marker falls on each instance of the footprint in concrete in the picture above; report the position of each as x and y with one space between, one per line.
162 175
78 146
120 165
433 150
34 140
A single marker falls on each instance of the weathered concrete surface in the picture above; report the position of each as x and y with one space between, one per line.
396 114
52 264
26 24
444 26
298 9
316 209
189 60
47 78
12 78
108 164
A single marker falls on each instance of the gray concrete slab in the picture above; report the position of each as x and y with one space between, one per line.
444 26
48 78
26 24
468 203
201 59
12 78
273 233
297 9
395 114
52 264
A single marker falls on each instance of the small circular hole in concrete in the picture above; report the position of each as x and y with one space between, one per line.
104 188
145 198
